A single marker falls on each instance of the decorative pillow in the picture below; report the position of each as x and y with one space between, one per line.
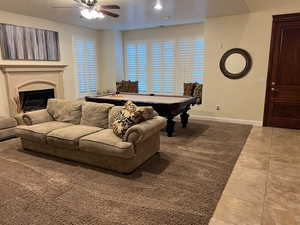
147 113
129 116
95 114
111 115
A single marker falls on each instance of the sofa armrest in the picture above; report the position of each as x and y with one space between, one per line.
144 130
35 117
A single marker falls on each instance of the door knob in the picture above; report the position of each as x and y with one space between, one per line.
273 89
273 83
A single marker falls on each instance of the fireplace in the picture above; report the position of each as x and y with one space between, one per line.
23 78
35 100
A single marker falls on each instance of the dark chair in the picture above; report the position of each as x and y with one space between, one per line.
128 86
195 90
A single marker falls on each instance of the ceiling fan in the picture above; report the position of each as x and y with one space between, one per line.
92 9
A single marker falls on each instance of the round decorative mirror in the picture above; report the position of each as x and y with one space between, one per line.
236 63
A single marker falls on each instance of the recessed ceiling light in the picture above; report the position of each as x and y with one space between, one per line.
158 5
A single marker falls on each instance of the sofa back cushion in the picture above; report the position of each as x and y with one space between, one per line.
95 114
65 111
148 112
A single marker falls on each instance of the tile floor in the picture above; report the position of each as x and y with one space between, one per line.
264 188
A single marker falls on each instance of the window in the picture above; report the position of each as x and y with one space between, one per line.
163 67
191 54
137 64
166 66
86 65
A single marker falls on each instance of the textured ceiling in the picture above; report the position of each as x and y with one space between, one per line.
135 14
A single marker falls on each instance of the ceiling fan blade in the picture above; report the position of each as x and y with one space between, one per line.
78 1
108 13
110 7
63 7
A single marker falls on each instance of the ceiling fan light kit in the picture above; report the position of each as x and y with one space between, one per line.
158 6
91 9
91 14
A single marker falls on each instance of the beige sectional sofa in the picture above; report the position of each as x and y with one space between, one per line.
81 131
7 128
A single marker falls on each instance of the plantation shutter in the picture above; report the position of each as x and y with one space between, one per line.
86 65
167 65
191 58
137 64
163 67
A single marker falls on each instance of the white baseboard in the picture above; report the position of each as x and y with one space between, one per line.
227 120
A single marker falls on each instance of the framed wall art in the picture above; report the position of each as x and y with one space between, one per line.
26 43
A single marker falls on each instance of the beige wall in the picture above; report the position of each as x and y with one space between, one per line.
244 98
178 31
65 37
111 59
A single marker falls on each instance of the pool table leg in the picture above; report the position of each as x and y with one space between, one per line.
170 126
184 119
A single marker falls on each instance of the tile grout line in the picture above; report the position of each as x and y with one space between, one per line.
267 179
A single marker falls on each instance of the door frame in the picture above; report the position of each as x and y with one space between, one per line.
276 20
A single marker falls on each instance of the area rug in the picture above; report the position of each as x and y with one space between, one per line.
180 186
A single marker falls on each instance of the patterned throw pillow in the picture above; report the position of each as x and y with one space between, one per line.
129 116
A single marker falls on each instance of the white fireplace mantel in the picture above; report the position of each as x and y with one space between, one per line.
6 68
30 78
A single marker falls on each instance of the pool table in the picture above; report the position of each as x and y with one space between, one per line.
165 105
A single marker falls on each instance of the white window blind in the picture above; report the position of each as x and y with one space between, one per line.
163 67
167 66
191 58
86 65
137 64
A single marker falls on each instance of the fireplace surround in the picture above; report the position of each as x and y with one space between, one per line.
26 78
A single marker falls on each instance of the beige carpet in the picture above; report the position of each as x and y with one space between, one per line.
180 186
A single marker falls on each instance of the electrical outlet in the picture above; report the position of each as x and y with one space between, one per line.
218 107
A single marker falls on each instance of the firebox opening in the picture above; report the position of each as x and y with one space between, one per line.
35 100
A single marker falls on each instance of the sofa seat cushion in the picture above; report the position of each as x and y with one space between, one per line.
6 122
38 132
7 133
68 137
106 142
